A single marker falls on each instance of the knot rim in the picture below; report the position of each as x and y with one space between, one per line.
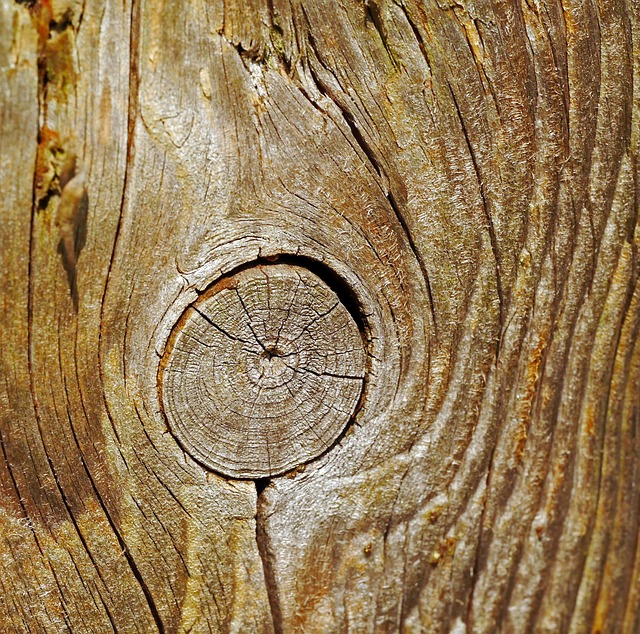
347 298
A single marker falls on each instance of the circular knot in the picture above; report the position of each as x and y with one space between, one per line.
263 372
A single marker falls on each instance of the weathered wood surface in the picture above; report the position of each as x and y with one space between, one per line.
468 172
263 373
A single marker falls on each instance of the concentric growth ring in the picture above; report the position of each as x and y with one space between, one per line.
263 372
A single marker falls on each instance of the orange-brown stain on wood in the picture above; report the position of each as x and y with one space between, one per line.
590 421
58 64
445 549
326 564
47 160
42 15
569 24
56 165
57 77
556 484
321 565
56 46
533 374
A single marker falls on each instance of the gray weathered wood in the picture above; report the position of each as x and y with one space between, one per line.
263 372
466 173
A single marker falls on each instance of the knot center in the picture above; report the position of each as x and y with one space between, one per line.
272 363
272 367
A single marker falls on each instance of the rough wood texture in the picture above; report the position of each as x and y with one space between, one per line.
468 171
263 372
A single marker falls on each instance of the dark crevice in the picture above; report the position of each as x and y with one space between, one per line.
134 569
13 480
68 507
332 279
418 257
311 100
632 222
336 283
485 206
266 556
416 33
72 220
357 135
132 115
368 151
136 573
261 484
349 119
373 13
63 603
253 54
109 615
64 23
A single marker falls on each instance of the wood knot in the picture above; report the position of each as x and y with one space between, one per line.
263 372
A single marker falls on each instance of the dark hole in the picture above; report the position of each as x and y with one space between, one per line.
261 484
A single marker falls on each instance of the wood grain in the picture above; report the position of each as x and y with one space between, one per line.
468 173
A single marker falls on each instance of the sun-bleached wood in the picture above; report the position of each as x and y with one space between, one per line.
263 372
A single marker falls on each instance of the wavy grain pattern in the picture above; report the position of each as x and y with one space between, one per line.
467 170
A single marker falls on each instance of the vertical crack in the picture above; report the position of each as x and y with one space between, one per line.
266 555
